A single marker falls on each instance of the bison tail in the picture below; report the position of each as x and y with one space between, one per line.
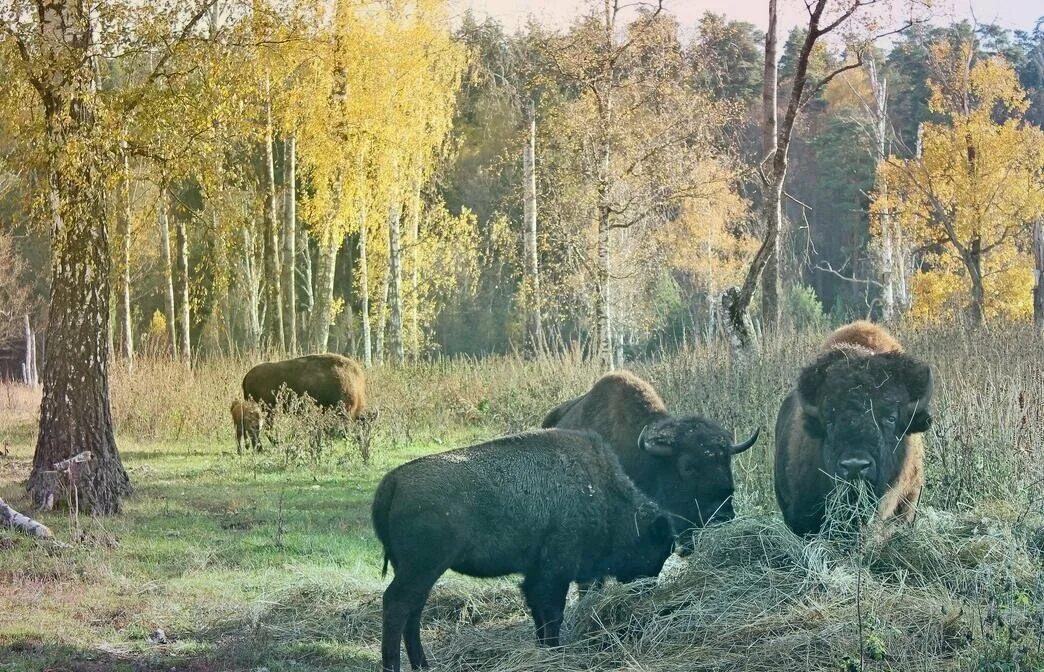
382 500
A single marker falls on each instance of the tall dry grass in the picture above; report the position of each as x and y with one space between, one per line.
986 443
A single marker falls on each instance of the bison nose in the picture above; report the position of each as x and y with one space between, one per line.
856 467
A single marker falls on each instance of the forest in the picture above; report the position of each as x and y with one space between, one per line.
487 220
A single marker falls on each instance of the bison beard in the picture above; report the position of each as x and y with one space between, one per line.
552 505
855 415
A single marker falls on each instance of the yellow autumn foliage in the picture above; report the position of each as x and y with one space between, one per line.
968 201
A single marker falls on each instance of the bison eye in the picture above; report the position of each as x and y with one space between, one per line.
891 418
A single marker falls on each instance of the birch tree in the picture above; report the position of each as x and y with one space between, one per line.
56 41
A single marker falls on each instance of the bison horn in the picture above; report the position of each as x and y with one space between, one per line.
651 447
740 447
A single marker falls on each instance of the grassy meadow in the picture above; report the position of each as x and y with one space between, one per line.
268 561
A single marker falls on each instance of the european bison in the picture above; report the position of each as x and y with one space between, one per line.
684 463
552 505
248 420
328 379
856 413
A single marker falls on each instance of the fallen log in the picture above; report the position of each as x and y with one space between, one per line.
12 518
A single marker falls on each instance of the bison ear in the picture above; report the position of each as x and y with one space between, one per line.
653 447
919 384
811 380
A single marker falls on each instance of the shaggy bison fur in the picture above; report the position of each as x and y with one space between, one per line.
856 413
684 463
328 379
552 505
248 420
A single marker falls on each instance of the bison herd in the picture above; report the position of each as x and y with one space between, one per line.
611 482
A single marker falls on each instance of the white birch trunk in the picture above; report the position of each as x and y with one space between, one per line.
168 270
252 292
364 288
290 243
274 332
415 216
529 218
1038 276
395 278
126 327
183 289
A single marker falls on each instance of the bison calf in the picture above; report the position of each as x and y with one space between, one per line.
248 420
856 414
554 506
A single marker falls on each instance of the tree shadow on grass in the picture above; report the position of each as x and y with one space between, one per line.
230 653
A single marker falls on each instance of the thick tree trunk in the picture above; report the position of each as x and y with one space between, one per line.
535 325
1038 274
74 414
290 243
364 289
274 334
185 323
772 206
168 270
126 327
395 277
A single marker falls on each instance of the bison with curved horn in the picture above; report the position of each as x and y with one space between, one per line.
856 413
683 463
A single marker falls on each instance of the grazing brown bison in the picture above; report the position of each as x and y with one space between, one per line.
328 379
684 463
248 420
551 505
856 413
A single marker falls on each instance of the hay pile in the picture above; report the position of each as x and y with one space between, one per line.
953 592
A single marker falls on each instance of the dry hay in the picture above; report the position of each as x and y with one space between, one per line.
952 592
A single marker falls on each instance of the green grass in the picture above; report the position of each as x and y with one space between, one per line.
203 548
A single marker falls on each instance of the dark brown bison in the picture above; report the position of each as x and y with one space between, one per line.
857 413
551 505
328 379
684 463
248 420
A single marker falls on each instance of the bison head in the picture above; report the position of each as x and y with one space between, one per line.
696 479
645 547
860 407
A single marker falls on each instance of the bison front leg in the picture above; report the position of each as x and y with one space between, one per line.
546 596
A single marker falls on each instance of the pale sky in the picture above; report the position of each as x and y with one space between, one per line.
512 13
